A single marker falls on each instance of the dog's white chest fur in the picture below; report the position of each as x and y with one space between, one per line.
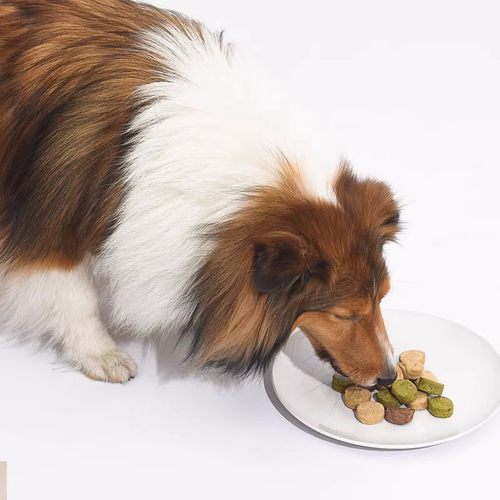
205 139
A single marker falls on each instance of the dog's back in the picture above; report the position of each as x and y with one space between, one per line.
68 73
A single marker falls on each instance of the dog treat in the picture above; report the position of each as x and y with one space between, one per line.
387 399
430 386
414 387
404 391
440 407
370 412
420 402
403 371
428 374
340 383
412 363
354 395
399 416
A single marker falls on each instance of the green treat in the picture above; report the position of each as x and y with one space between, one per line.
430 386
340 383
440 407
387 399
404 391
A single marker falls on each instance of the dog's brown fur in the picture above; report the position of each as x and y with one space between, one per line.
68 73
290 259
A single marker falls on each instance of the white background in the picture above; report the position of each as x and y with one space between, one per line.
409 92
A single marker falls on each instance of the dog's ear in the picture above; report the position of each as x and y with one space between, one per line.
283 260
370 202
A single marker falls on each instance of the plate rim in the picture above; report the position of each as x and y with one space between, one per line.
269 376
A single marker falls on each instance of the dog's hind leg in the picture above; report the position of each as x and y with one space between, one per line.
62 306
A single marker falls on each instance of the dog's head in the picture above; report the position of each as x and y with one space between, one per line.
293 260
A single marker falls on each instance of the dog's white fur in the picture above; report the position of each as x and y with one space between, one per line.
62 307
202 140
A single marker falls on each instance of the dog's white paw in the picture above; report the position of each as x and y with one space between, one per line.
109 366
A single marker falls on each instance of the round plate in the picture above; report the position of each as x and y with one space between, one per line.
456 355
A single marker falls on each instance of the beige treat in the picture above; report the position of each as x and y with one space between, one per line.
412 363
403 372
420 402
354 395
370 412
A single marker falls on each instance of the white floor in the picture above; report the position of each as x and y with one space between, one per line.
409 92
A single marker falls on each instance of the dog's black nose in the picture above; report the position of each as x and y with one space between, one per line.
388 377
386 382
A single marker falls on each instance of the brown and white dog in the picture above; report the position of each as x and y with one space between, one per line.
143 169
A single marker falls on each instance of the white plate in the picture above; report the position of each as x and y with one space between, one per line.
461 359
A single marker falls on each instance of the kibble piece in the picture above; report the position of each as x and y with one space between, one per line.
412 363
387 399
399 416
404 391
405 373
354 395
420 402
428 374
340 383
370 412
440 407
399 373
430 386
412 355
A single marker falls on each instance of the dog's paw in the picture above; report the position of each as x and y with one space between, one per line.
110 366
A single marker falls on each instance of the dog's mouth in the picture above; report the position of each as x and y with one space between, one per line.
335 366
327 358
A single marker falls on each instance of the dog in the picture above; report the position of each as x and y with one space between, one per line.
141 174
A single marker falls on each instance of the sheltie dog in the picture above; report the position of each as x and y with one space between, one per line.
143 172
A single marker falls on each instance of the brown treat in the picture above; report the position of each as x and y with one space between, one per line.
412 363
370 412
354 395
420 402
399 416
